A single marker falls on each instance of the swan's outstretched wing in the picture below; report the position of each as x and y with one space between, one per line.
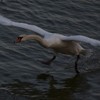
81 38
36 29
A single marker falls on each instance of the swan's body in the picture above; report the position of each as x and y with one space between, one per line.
54 42
59 43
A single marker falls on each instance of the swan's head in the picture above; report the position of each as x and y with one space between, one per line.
20 38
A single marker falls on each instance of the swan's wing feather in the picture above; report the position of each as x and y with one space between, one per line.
80 38
36 29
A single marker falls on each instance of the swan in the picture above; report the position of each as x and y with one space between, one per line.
69 45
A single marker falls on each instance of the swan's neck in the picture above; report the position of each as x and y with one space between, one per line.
37 38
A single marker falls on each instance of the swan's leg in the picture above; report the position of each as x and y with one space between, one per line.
49 61
76 64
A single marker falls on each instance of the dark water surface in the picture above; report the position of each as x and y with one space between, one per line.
23 77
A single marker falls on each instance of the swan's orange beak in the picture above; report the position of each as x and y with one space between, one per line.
18 39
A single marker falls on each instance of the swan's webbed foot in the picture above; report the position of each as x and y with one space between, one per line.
46 62
49 61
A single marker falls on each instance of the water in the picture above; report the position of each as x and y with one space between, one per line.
23 77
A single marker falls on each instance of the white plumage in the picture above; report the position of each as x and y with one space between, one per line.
59 43
38 30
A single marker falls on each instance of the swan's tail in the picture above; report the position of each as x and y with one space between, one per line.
87 52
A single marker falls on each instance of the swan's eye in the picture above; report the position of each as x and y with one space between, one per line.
18 39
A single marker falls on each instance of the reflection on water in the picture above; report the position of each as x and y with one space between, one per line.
69 88
76 83
66 90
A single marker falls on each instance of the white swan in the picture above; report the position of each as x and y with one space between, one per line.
69 45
